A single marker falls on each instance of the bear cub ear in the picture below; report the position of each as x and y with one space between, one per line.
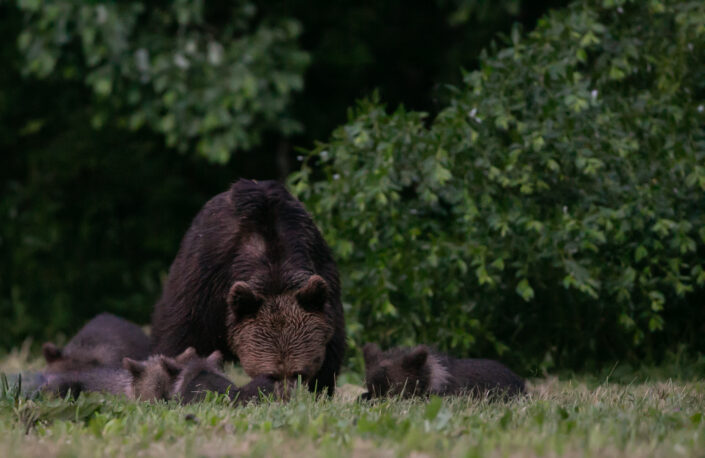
313 295
371 353
51 352
136 368
215 359
242 300
415 360
186 355
170 366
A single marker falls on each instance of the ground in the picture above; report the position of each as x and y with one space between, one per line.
574 417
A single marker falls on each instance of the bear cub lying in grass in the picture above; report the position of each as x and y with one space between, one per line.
148 380
196 376
186 377
111 355
420 371
102 342
102 357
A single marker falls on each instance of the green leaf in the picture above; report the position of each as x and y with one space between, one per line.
441 174
525 290
640 253
655 323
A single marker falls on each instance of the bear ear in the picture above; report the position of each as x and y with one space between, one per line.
371 352
242 300
170 365
136 368
314 293
51 352
215 359
415 360
186 355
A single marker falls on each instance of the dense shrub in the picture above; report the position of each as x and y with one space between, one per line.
555 208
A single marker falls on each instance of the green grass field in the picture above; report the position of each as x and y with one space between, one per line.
580 416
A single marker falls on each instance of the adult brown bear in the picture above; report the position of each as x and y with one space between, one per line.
254 279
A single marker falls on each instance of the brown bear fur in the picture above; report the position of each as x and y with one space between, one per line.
421 371
103 342
147 380
199 375
255 280
186 377
151 379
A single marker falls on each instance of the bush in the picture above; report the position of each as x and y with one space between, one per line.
555 208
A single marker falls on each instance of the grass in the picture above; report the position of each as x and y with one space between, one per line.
578 416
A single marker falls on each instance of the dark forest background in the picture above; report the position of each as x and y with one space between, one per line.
118 120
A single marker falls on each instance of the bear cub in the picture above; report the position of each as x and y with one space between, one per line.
197 375
148 380
186 377
420 371
103 342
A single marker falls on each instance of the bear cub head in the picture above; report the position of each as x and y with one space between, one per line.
397 372
151 379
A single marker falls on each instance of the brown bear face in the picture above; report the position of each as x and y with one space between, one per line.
283 336
399 371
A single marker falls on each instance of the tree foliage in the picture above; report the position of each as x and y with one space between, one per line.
92 206
89 219
208 80
554 208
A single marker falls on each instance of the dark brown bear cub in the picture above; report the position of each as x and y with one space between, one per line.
421 371
197 375
103 342
149 380
254 279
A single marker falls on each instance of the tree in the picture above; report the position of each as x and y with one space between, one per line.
207 77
